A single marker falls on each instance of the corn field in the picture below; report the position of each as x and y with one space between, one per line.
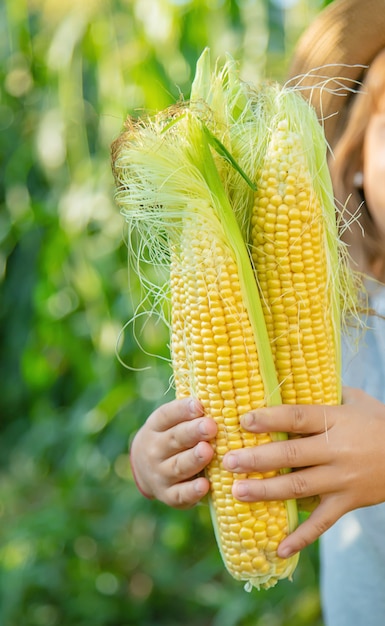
79 546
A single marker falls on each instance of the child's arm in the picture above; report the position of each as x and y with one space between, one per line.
170 449
340 457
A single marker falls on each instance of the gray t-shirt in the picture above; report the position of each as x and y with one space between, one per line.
353 550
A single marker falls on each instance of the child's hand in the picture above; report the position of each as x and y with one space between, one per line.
339 457
170 449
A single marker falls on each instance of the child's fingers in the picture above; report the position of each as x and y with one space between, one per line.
174 412
301 484
186 464
188 434
320 520
186 494
297 419
292 453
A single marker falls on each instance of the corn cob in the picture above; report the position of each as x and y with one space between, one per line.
225 376
291 254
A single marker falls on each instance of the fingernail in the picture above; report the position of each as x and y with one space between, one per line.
247 420
285 552
195 408
202 428
197 452
231 462
198 488
240 490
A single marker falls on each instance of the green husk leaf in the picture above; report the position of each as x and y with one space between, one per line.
223 152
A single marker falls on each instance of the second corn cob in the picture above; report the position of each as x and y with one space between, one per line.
230 372
294 244
225 375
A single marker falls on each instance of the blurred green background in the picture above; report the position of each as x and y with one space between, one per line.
78 545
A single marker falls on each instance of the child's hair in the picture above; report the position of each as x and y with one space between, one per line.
346 169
